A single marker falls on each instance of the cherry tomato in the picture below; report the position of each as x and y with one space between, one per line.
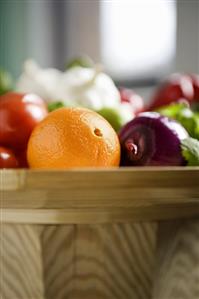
19 114
8 158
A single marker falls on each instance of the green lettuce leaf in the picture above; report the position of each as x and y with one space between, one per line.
184 115
190 151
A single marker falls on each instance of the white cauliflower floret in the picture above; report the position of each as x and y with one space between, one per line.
77 86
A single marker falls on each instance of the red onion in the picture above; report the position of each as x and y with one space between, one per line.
152 139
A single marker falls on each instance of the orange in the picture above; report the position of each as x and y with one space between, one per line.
73 137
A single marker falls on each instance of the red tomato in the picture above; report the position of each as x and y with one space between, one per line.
195 82
19 114
22 159
7 158
176 87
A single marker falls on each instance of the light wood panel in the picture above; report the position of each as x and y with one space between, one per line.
78 240
177 261
21 262
78 261
99 261
96 178
114 195
97 216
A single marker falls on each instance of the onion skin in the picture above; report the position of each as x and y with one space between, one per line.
151 139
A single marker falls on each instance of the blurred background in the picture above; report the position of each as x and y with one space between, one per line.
138 42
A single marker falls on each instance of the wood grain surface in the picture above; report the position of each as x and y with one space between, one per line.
127 261
21 262
70 235
177 261
78 261
100 261
99 196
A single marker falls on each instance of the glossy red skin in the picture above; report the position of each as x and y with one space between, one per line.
19 114
195 82
22 158
129 96
8 158
178 86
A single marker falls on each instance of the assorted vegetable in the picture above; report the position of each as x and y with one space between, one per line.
190 151
182 112
164 133
152 139
8 158
19 114
87 87
195 82
176 87
77 86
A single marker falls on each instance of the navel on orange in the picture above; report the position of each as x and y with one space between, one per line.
73 137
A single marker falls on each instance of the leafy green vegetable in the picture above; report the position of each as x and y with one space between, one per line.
195 107
184 115
190 151
55 105
173 110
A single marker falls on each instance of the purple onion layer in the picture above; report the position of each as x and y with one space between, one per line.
151 139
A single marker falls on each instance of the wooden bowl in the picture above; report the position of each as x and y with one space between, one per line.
88 233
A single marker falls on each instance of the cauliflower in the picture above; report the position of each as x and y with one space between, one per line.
77 86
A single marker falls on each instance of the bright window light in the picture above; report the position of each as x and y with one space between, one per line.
138 37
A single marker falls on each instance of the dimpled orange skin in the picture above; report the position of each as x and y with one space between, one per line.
73 137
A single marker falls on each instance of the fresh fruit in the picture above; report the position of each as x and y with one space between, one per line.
19 114
6 83
73 137
151 139
129 96
8 158
176 87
